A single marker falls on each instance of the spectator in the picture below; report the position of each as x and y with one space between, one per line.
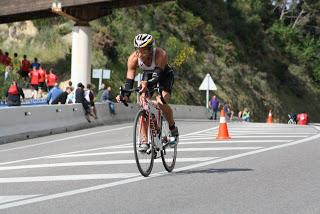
71 97
42 78
13 94
106 98
62 98
8 72
34 81
228 110
246 115
81 99
6 60
25 68
51 79
240 116
214 105
90 95
70 83
54 93
35 64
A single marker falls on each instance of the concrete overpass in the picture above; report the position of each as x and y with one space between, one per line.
80 11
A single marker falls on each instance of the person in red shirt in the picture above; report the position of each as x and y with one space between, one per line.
13 95
25 67
34 81
42 79
51 80
6 59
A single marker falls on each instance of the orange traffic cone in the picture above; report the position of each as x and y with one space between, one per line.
223 128
269 120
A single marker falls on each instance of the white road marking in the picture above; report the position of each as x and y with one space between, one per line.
67 138
241 136
232 142
66 153
216 149
97 163
67 178
11 198
87 150
140 178
130 152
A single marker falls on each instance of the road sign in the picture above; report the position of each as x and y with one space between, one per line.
106 74
101 74
96 73
208 84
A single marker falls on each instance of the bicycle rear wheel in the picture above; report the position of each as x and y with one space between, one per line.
141 133
168 154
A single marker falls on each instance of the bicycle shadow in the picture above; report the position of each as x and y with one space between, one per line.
210 171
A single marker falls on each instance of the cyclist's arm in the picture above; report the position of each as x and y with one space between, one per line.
132 66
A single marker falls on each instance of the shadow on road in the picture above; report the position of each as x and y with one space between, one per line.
213 171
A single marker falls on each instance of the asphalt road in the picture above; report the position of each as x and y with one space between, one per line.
264 168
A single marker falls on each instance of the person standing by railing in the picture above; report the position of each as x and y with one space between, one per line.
13 94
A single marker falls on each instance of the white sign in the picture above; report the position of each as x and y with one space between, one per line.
96 73
106 74
208 84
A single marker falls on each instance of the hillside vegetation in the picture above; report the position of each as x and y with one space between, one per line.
261 54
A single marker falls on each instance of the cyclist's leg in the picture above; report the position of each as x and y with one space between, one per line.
167 112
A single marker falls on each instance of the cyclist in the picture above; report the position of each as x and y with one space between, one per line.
154 63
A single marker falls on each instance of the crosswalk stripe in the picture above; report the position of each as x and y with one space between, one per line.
96 163
67 178
240 136
232 142
217 149
130 151
11 198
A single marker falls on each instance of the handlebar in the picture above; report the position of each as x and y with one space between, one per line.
137 89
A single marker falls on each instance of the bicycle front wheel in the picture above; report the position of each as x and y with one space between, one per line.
168 154
141 134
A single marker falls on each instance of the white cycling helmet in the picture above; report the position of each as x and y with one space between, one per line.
142 40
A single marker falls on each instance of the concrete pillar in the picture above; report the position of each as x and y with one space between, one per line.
81 55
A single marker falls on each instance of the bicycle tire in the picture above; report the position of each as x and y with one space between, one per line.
168 154
144 160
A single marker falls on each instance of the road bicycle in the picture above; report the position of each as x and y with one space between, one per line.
151 127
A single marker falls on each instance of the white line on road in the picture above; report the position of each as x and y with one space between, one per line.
96 163
66 153
232 142
67 178
242 136
67 138
140 178
11 198
87 150
130 152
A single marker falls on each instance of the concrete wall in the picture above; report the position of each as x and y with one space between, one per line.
20 123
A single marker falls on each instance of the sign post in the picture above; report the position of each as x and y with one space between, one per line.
208 84
138 79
